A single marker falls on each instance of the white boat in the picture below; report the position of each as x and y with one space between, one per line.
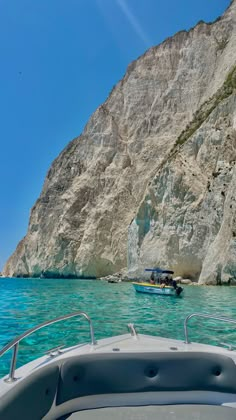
156 286
130 376
154 289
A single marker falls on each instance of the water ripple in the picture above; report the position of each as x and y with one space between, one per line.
28 302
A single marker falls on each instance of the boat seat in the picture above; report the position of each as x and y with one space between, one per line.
32 397
96 374
99 380
115 380
167 412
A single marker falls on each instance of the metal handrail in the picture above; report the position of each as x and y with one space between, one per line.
132 329
217 317
15 343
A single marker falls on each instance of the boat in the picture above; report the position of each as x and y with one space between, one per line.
128 376
154 289
158 285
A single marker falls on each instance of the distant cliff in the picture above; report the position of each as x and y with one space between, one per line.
152 179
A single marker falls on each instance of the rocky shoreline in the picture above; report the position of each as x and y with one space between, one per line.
123 278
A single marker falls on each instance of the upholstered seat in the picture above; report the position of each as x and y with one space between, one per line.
141 372
169 412
99 380
32 397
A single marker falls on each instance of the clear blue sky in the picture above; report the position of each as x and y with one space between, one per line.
59 59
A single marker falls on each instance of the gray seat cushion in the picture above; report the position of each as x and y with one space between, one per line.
116 379
31 398
139 399
144 372
173 412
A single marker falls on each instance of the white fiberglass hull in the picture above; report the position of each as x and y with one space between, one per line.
154 289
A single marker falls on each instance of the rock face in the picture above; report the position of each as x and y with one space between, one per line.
152 179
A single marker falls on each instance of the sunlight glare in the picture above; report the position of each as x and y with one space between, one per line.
134 22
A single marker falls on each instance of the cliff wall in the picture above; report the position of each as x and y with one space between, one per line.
151 179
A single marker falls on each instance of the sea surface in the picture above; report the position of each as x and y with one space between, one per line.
28 302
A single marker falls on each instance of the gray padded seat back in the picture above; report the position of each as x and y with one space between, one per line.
31 398
96 374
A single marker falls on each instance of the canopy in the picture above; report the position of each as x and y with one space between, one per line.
159 270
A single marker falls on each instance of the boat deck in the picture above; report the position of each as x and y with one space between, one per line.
124 377
119 344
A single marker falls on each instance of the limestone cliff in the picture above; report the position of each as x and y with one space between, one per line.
151 180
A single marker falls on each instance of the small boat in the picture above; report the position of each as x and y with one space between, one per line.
154 289
157 285
127 376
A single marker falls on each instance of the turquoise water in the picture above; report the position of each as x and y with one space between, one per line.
28 302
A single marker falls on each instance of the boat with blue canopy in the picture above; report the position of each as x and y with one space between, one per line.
160 283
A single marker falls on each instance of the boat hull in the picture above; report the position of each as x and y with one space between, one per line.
154 289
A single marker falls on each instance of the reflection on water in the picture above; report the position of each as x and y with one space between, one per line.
28 302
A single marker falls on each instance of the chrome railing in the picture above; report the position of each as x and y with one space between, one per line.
216 317
15 343
132 330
